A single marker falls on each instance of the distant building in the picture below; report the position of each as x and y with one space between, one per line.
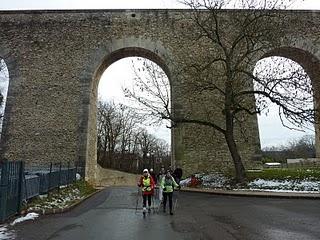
272 165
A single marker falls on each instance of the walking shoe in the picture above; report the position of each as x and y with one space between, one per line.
171 213
149 209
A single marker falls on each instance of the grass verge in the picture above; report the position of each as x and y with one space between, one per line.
60 198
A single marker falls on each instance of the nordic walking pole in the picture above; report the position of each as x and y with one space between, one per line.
152 203
176 201
137 199
138 194
154 198
159 198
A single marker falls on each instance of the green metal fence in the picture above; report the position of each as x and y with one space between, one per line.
12 175
18 184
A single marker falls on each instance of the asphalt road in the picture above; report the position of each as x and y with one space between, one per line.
111 214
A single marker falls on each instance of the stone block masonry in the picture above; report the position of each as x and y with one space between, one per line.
56 58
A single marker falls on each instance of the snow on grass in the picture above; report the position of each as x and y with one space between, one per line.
218 180
274 190
5 233
29 216
213 180
58 200
285 185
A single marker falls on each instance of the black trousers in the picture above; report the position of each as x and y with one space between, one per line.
145 197
165 196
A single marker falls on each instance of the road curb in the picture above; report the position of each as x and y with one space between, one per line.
66 209
261 194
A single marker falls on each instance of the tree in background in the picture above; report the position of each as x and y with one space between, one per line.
122 141
300 148
229 59
151 90
147 144
109 129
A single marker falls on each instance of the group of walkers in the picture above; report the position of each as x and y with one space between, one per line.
166 182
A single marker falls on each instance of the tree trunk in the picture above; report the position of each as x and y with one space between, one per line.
239 168
229 136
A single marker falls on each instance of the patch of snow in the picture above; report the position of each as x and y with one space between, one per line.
29 216
218 180
5 233
58 201
275 190
42 196
214 180
185 182
285 185
78 176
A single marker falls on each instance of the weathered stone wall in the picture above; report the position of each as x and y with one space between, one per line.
56 58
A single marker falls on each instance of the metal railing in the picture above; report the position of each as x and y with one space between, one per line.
18 183
12 175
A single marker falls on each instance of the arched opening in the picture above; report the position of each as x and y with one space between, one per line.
91 134
278 142
129 138
4 83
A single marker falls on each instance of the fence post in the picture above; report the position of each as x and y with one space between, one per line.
59 178
20 182
4 190
68 175
76 169
49 180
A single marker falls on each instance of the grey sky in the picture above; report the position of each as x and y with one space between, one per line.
271 131
117 4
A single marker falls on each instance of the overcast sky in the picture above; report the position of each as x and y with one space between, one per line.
116 4
271 130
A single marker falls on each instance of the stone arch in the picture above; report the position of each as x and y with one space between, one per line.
14 81
117 50
308 58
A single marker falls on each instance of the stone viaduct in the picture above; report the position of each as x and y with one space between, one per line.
55 60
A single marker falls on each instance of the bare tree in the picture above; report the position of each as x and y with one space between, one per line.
121 138
151 90
109 130
129 120
226 73
161 152
302 148
147 142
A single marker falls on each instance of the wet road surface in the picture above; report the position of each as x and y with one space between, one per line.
111 214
